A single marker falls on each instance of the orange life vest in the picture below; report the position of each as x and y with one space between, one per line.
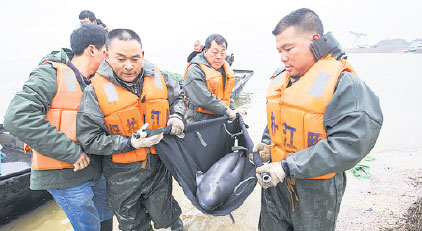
295 114
61 114
125 113
215 83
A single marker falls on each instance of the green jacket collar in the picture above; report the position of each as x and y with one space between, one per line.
200 59
62 56
327 45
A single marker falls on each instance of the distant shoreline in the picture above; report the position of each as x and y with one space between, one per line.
382 49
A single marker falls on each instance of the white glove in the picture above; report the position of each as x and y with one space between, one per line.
276 172
240 111
143 142
231 114
176 124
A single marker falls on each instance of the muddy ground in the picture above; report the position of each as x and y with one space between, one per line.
390 199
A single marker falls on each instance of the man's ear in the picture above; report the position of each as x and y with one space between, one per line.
315 37
106 54
91 50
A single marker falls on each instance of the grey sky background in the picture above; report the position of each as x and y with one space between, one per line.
31 29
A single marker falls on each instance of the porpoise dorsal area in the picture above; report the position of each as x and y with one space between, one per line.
216 185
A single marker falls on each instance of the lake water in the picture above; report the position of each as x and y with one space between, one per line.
395 78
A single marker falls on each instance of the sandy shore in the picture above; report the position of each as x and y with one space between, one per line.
382 201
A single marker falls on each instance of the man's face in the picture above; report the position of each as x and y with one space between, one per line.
126 58
295 51
85 20
197 47
216 55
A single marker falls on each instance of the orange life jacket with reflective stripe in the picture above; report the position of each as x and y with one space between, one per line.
125 113
61 114
295 114
215 83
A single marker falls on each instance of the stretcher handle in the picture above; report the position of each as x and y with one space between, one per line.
150 132
266 177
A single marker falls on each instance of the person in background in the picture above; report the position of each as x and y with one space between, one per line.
129 94
43 115
208 83
101 23
87 16
197 48
322 120
230 59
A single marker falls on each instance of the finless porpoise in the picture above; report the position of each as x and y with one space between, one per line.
216 185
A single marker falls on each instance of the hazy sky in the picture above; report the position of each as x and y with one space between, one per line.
30 29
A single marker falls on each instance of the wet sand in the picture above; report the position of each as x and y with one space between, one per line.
382 201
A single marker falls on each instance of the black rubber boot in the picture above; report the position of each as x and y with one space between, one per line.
177 225
107 225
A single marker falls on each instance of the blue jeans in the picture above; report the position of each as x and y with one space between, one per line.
85 205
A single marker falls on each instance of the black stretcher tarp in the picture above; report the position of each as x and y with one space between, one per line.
204 143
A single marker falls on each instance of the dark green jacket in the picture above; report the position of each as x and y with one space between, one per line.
198 94
25 120
352 121
91 130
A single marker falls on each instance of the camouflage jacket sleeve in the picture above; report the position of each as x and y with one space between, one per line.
25 117
175 96
196 89
352 121
92 132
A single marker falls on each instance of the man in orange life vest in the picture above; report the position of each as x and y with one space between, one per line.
129 94
322 120
208 83
43 115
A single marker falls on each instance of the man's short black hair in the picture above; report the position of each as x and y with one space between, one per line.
122 34
87 14
219 39
303 20
85 35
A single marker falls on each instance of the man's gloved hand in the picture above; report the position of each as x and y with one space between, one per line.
276 172
142 141
263 150
176 123
240 111
231 114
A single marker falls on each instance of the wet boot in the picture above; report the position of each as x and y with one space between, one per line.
177 225
107 225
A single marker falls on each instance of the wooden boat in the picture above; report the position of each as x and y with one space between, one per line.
16 198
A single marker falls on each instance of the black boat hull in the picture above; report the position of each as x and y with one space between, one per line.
16 198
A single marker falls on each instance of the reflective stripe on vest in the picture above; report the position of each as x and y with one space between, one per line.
61 114
295 115
215 83
125 113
